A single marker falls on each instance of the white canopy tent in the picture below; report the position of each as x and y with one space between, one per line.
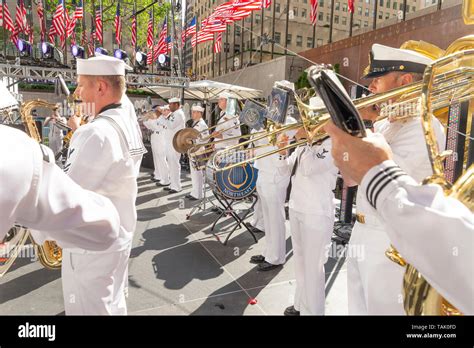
206 91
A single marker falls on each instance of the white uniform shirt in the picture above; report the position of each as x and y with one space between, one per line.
268 166
100 161
175 122
433 233
409 150
35 193
201 126
314 180
222 124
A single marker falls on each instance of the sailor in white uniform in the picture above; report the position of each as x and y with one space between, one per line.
374 281
162 147
55 134
432 232
152 124
228 126
175 122
104 157
197 176
312 209
37 194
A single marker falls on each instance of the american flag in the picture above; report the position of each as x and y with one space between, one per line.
118 25
213 25
98 25
7 18
314 12
90 44
83 37
58 26
201 36
350 6
191 28
40 11
71 24
149 57
149 37
79 12
20 17
247 5
224 12
218 43
266 3
162 46
170 43
134 30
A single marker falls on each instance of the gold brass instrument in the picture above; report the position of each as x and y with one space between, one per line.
49 253
420 298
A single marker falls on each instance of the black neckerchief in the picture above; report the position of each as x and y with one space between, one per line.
369 124
222 114
195 124
110 106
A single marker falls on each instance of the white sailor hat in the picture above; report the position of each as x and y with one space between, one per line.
225 95
165 107
197 107
102 66
385 59
174 100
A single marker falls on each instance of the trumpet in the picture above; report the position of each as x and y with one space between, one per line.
454 82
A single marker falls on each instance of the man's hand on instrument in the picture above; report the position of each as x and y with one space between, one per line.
355 156
74 122
282 142
301 134
217 134
370 113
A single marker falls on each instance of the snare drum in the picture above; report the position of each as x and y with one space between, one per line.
200 157
235 183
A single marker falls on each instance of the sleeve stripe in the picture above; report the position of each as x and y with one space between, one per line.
386 172
383 186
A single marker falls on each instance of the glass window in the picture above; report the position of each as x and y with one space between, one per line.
344 7
387 15
359 10
413 9
320 42
359 22
299 41
337 6
309 42
288 39
336 19
277 37
400 7
277 7
295 11
395 5
344 20
236 49
366 24
380 14
327 18
257 18
237 31
388 3
380 3
320 16
366 12
305 1
303 12
321 3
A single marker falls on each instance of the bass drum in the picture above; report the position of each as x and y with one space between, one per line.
235 183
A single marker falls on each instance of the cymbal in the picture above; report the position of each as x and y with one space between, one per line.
183 140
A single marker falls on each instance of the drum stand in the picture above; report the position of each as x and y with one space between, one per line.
229 210
202 203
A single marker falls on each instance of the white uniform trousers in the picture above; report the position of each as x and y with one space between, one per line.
163 167
95 284
156 161
311 237
374 282
272 199
197 180
257 218
174 167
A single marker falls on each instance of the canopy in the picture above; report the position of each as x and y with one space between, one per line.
207 90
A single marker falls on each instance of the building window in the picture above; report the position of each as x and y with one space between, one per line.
366 24
320 42
299 41
305 1
295 11
237 31
327 17
359 10
303 12
226 47
320 16
380 14
380 3
321 3
413 9
336 19
288 39
337 6
309 42
236 49
344 7
344 20
388 3
277 7
257 18
400 7
395 5
366 12
367 1
277 37
208 67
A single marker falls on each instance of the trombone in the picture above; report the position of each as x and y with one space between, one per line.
453 83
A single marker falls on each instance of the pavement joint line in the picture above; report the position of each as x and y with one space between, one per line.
217 295
224 268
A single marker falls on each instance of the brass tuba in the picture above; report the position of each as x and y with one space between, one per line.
420 298
49 253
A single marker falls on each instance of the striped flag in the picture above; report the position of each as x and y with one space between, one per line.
218 43
213 25
350 5
71 24
247 5
7 18
162 46
118 25
79 12
169 43
134 30
201 36
58 26
98 25
149 37
83 37
20 17
314 12
266 3
191 28
90 44
40 11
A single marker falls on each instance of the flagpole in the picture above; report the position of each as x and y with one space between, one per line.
273 30
242 43
350 24
184 43
213 53
4 32
251 38
65 32
314 34
226 47
196 45
153 37
261 35
286 25
102 21
136 33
